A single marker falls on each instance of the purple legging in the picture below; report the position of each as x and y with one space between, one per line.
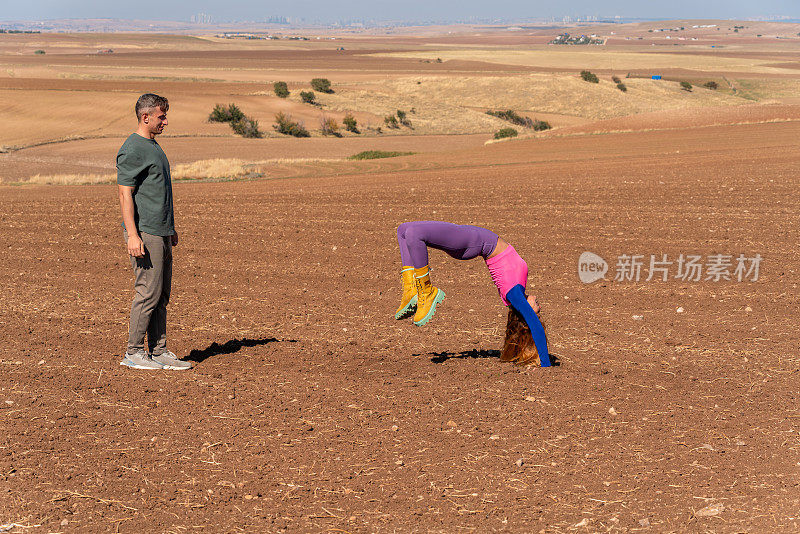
462 242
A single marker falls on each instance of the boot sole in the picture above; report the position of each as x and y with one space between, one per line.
439 298
408 310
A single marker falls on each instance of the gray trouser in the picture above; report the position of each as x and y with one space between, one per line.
152 282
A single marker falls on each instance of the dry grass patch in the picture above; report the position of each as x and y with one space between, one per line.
71 179
210 169
767 89
231 169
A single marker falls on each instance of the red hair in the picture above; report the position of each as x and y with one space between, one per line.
518 346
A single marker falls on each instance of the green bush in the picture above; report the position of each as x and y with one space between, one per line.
308 97
589 76
622 87
231 113
281 89
686 86
377 154
402 118
329 126
323 85
39 52
711 85
539 126
615 79
285 125
505 132
246 127
350 123
508 115
515 118
391 121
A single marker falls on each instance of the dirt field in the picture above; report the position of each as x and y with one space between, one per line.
310 409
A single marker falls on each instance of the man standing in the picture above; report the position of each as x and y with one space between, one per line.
145 196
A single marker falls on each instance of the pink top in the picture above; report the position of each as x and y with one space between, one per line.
507 270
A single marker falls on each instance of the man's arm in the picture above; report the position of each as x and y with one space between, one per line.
135 243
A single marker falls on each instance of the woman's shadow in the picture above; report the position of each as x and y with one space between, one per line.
229 347
441 357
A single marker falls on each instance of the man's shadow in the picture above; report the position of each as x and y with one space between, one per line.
229 347
441 357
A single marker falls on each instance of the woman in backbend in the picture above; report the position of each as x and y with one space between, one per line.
524 332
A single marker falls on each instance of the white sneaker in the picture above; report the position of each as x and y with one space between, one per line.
170 361
140 360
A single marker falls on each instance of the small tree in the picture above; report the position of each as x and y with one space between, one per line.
281 89
589 76
350 123
329 126
622 87
39 52
505 132
615 79
308 97
285 125
686 86
711 85
391 121
229 113
323 85
246 127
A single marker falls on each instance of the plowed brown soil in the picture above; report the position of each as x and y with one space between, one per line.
311 409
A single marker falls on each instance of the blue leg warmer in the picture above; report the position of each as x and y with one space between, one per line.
516 297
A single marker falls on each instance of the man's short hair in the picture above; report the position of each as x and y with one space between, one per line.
149 101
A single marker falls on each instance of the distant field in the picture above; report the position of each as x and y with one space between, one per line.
451 104
55 98
594 57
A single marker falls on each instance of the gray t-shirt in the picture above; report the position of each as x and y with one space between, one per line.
142 164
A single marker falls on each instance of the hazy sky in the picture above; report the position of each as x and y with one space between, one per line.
415 10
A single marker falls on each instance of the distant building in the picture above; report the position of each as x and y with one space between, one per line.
566 39
202 18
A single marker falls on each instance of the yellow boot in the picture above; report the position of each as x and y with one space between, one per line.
428 296
408 302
